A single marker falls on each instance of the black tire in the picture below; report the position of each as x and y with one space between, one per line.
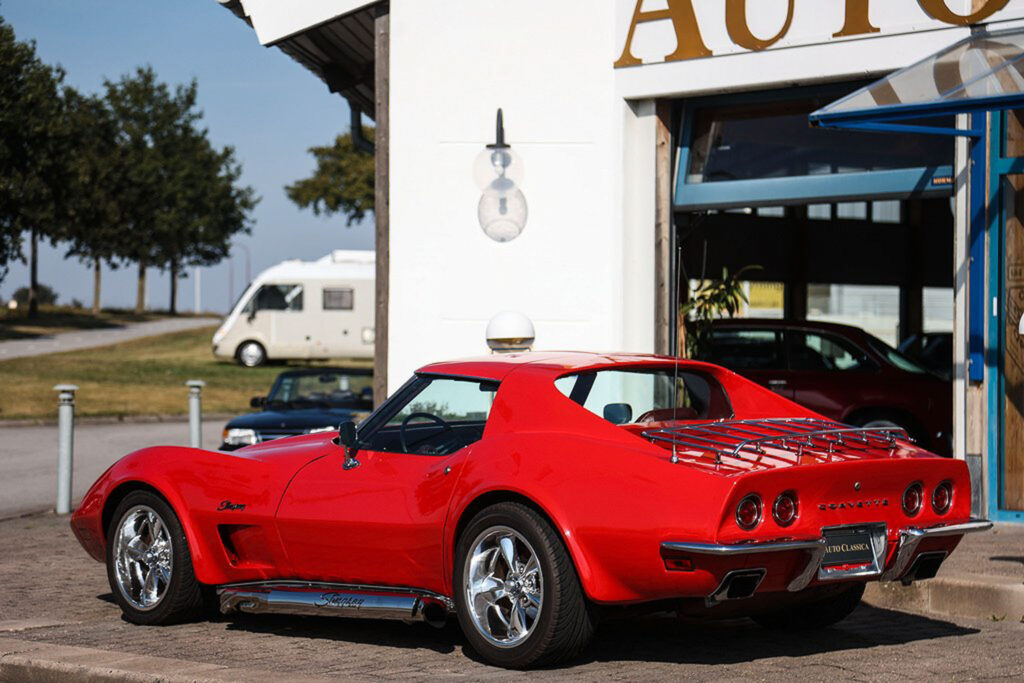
814 615
184 598
565 621
251 354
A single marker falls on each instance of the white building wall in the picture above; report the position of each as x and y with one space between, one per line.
547 65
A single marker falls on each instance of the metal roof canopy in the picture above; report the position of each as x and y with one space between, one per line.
982 72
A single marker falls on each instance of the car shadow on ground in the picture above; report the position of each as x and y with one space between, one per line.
657 638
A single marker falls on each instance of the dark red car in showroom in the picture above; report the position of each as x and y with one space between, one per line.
839 371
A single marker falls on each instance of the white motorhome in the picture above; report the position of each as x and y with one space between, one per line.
300 310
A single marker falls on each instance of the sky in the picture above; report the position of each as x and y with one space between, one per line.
255 99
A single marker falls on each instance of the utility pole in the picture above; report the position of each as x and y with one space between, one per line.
198 289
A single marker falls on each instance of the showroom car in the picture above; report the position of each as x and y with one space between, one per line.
839 371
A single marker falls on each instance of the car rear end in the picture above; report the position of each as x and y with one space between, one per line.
814 504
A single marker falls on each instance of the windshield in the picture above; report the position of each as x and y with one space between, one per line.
894 357
327 389
645 395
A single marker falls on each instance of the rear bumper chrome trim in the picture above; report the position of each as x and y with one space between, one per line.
911 537
909 540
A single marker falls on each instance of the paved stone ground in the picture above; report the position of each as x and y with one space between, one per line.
87 339
53 593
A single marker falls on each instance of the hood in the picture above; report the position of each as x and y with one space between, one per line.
310 418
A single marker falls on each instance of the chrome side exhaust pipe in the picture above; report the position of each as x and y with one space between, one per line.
333 600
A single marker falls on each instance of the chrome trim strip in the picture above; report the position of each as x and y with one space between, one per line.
326 586
815 550
911 537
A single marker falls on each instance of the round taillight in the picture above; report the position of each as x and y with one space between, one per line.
942 497
912 498
785 509
748 512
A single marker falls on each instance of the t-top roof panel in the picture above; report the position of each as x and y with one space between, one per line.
984 71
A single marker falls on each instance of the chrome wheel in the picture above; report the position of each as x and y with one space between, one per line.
251 354
504 586
143 557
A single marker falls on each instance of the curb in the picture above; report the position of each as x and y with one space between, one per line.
989 597
23 660
114 419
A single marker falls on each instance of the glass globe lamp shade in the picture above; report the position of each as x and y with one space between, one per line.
502 210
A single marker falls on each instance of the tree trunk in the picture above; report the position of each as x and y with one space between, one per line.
140 291
33 277
96 273
173 308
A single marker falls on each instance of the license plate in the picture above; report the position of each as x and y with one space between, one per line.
848 546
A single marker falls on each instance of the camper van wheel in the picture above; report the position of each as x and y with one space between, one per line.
250 354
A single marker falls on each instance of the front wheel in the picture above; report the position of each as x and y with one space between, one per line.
814 615
251 354
149 565
517 595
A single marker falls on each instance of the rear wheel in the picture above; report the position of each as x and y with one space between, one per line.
814 615
149 565
251 354
517 595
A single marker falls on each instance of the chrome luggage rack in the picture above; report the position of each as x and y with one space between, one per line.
740 445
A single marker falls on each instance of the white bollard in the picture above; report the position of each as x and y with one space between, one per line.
195 412
65 444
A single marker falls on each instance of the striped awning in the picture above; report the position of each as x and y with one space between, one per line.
979 73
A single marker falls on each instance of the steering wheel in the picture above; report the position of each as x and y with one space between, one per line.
406 445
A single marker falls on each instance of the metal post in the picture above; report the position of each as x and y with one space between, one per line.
195 412
65 444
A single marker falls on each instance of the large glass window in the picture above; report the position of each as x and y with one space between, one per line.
773 140
647 395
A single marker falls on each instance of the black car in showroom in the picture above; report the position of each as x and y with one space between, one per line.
301 402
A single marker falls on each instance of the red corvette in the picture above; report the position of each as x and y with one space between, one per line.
531 495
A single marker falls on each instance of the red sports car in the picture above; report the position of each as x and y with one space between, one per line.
531 495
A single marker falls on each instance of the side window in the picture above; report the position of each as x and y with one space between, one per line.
278 298
824 352
439 416
744 349
338 299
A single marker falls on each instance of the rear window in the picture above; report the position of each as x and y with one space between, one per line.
647 395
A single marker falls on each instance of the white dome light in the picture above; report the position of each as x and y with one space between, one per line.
510 331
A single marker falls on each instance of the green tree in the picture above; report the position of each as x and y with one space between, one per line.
342 182
99 178
33 142
183 204
709 300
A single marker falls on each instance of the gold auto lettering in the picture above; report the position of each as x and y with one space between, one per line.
937 9
739 30
689 43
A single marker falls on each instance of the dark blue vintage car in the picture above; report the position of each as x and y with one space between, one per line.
301 402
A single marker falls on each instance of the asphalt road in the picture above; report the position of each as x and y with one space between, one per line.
87 339
28 457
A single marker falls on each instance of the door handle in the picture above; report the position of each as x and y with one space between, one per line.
777 383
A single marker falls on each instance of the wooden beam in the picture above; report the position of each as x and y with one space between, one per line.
663 316
382 52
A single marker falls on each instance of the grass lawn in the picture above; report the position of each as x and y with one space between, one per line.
140 377
54 319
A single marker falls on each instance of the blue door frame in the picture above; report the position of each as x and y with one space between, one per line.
995 225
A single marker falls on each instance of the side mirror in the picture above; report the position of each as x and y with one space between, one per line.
257 401
347 438
252 315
